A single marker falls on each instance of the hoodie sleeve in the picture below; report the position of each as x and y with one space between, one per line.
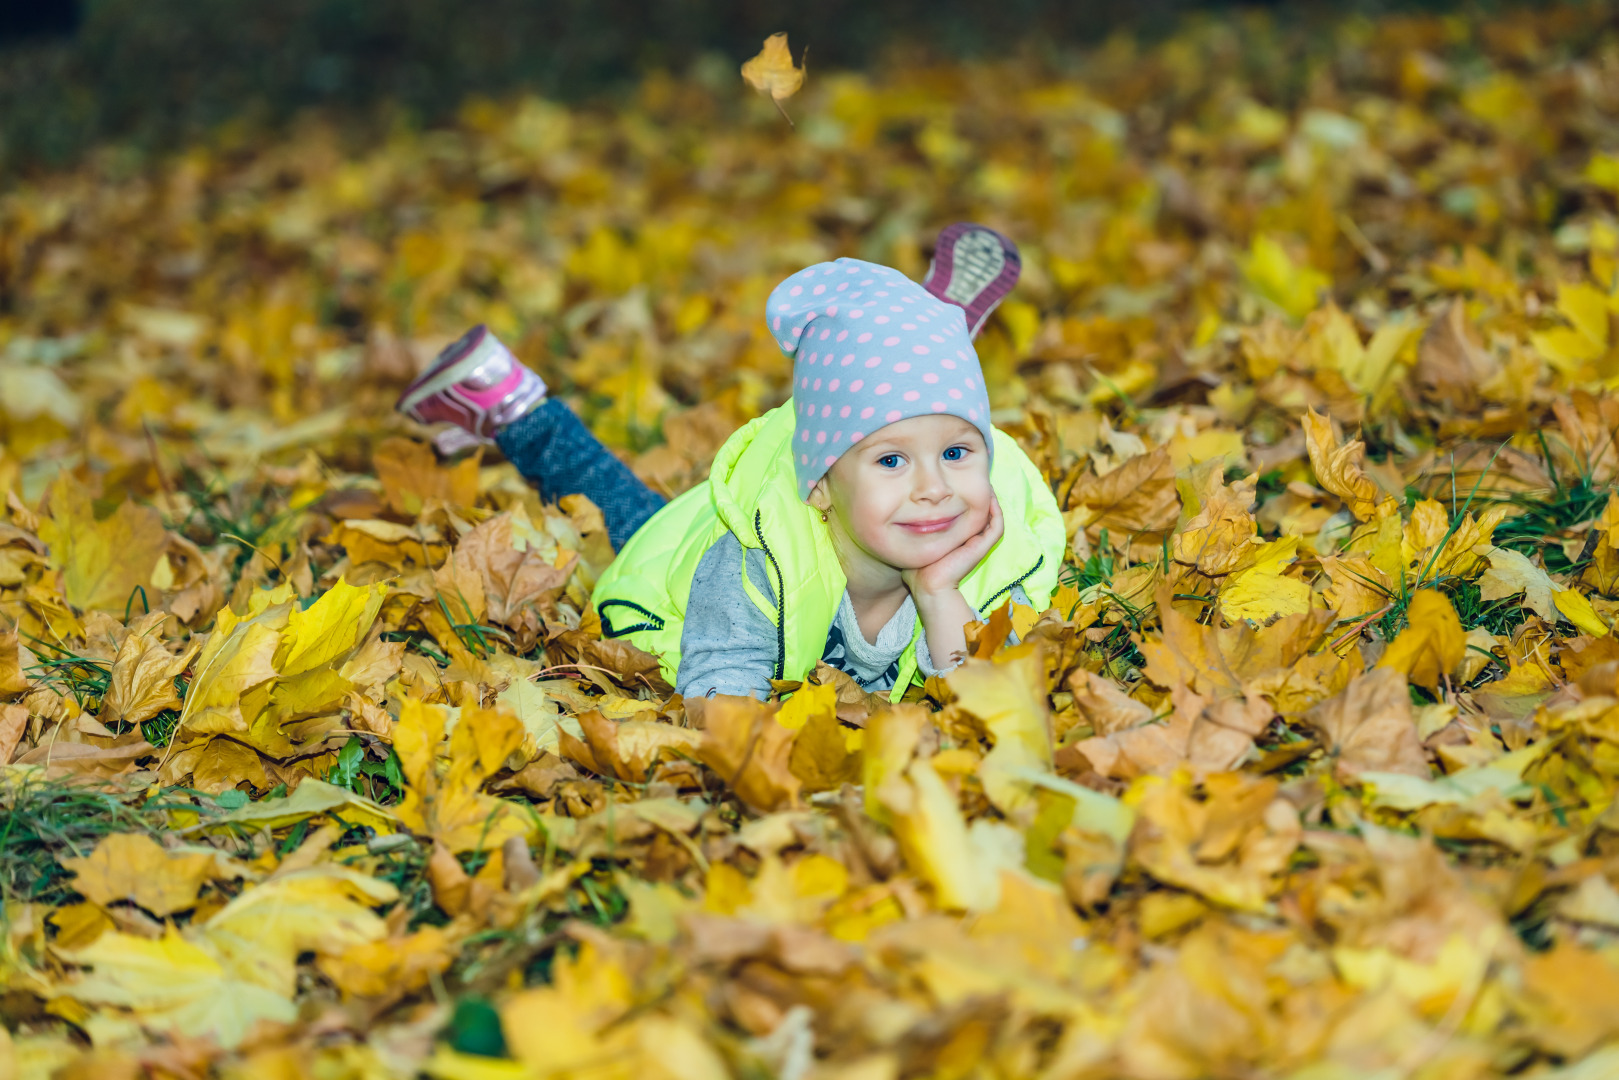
924 659
727 645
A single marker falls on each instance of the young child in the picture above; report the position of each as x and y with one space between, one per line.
862 523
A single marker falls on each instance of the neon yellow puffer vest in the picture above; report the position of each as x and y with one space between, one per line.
752 493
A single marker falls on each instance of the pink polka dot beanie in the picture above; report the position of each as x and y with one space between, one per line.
870 347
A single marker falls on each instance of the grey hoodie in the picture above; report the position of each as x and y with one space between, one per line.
728 645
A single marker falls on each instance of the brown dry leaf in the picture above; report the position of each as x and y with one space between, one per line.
1137 497
1431 645
627 749
518 564
1369 727
13 722
1358 588
221 763
103 562
1340 469
1231 845
83 759
1568 999
1104 706
750 751
1205 734
1590 427
1221 536
1452 366
411 476
460 589
133 866
1188 653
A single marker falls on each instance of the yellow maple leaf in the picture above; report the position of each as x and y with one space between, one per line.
1577 609
1275 277
133 866
102 562
238 657
808 701
935 840
891 739
172 984
568 1027
329 628
324 909
1586 339
141 683
447 805
1511 573
1261 592
773 72
390 965
240 966
1009 697
1431 645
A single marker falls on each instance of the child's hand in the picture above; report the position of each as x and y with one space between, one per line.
944 574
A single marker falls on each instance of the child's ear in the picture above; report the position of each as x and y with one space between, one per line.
820 496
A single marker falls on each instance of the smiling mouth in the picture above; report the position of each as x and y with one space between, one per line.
936 525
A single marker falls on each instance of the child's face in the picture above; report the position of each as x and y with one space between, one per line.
912 492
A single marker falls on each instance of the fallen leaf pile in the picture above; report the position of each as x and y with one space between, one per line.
313 759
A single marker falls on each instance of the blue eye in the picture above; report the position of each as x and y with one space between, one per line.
955 453
889 461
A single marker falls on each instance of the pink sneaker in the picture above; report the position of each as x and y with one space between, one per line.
974 268
475 384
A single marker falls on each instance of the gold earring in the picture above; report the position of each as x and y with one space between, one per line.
823 517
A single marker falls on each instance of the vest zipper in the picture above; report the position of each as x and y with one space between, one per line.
652 620
781 595
989 605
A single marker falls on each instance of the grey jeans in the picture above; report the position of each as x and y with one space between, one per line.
559 456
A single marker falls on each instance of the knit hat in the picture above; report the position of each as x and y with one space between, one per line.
870 347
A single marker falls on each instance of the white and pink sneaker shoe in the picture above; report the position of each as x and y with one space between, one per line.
477 385
973 268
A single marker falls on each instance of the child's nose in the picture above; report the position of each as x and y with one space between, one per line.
931 485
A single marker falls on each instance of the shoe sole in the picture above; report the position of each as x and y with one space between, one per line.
446 370
974 268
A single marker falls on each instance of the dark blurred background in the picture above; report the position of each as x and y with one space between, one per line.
152 72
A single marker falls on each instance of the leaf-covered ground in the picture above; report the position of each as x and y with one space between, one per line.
315 762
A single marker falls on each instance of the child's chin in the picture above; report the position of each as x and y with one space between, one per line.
914 556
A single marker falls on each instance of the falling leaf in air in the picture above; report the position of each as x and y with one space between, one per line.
773 72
